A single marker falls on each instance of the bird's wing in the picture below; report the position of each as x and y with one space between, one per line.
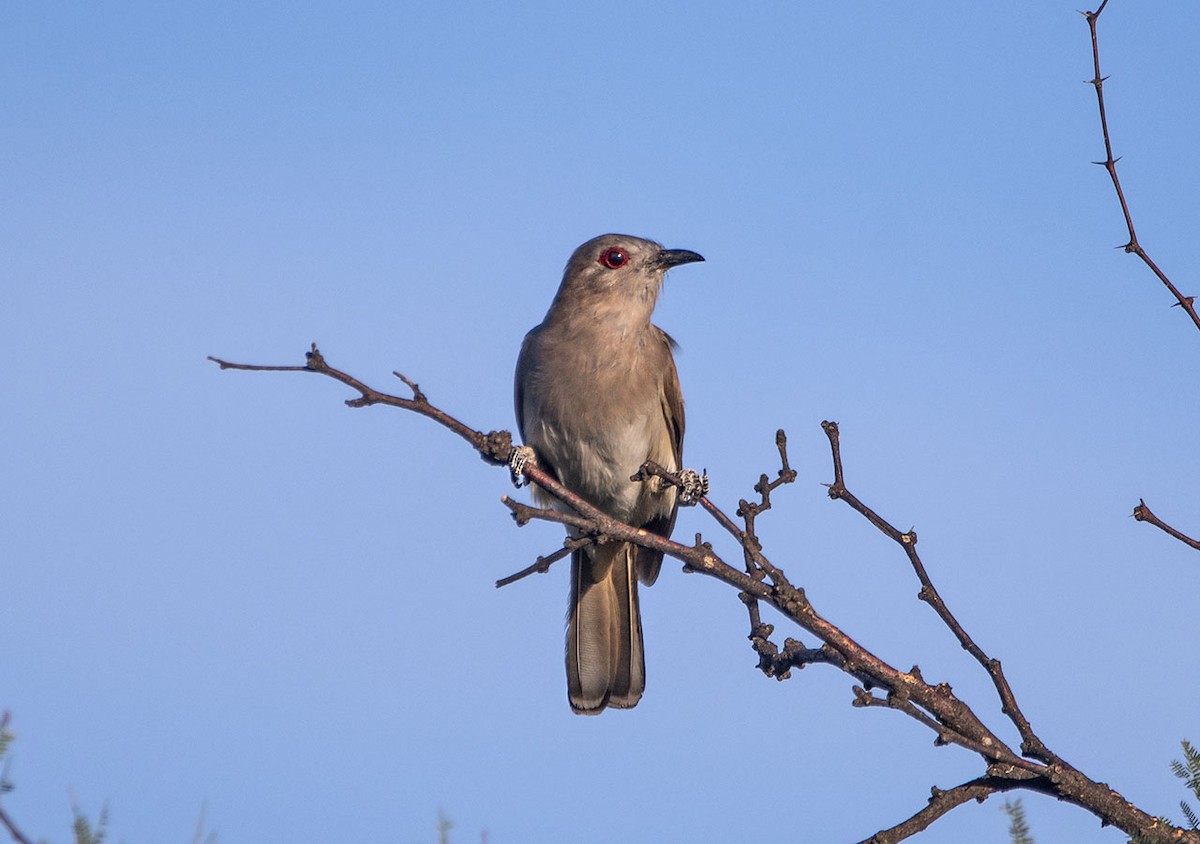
522 372
649 562
672 402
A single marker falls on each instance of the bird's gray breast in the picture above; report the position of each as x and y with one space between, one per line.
595 417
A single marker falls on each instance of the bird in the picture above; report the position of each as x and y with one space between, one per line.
597 395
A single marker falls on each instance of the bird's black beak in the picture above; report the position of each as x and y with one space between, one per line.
668 258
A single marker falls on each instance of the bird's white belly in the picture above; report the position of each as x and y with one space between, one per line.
598 466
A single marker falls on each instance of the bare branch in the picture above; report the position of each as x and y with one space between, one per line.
542 564
941 802
523 514
1031 745
934 706
12 828
1143 514
494 447
777 663
1110 164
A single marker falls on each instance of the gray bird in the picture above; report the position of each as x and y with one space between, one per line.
597 395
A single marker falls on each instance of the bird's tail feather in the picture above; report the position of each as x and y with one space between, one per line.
605 662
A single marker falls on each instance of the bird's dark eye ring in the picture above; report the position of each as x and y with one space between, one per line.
614 258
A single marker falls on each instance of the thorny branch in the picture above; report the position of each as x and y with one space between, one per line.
932 705
1141 512
1110 164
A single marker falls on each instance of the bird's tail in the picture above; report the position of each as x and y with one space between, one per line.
605 664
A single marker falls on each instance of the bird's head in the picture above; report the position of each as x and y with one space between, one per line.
619 272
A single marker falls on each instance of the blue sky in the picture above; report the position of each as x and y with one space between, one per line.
229 589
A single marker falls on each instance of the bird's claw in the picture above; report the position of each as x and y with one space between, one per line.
693 486
522 456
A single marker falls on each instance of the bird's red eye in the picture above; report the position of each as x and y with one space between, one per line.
613 259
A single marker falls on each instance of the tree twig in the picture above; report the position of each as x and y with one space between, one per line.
12 828
495 447
942 801
1031 745
542 564
1110 164
1143 514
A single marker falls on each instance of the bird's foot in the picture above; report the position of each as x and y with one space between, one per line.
522 456
693 486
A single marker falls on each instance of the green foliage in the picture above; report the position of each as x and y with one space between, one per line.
84 832
1018 829
5 735
200 836
1189 771
444 825
6 738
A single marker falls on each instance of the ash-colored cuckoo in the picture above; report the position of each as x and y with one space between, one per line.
597 395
